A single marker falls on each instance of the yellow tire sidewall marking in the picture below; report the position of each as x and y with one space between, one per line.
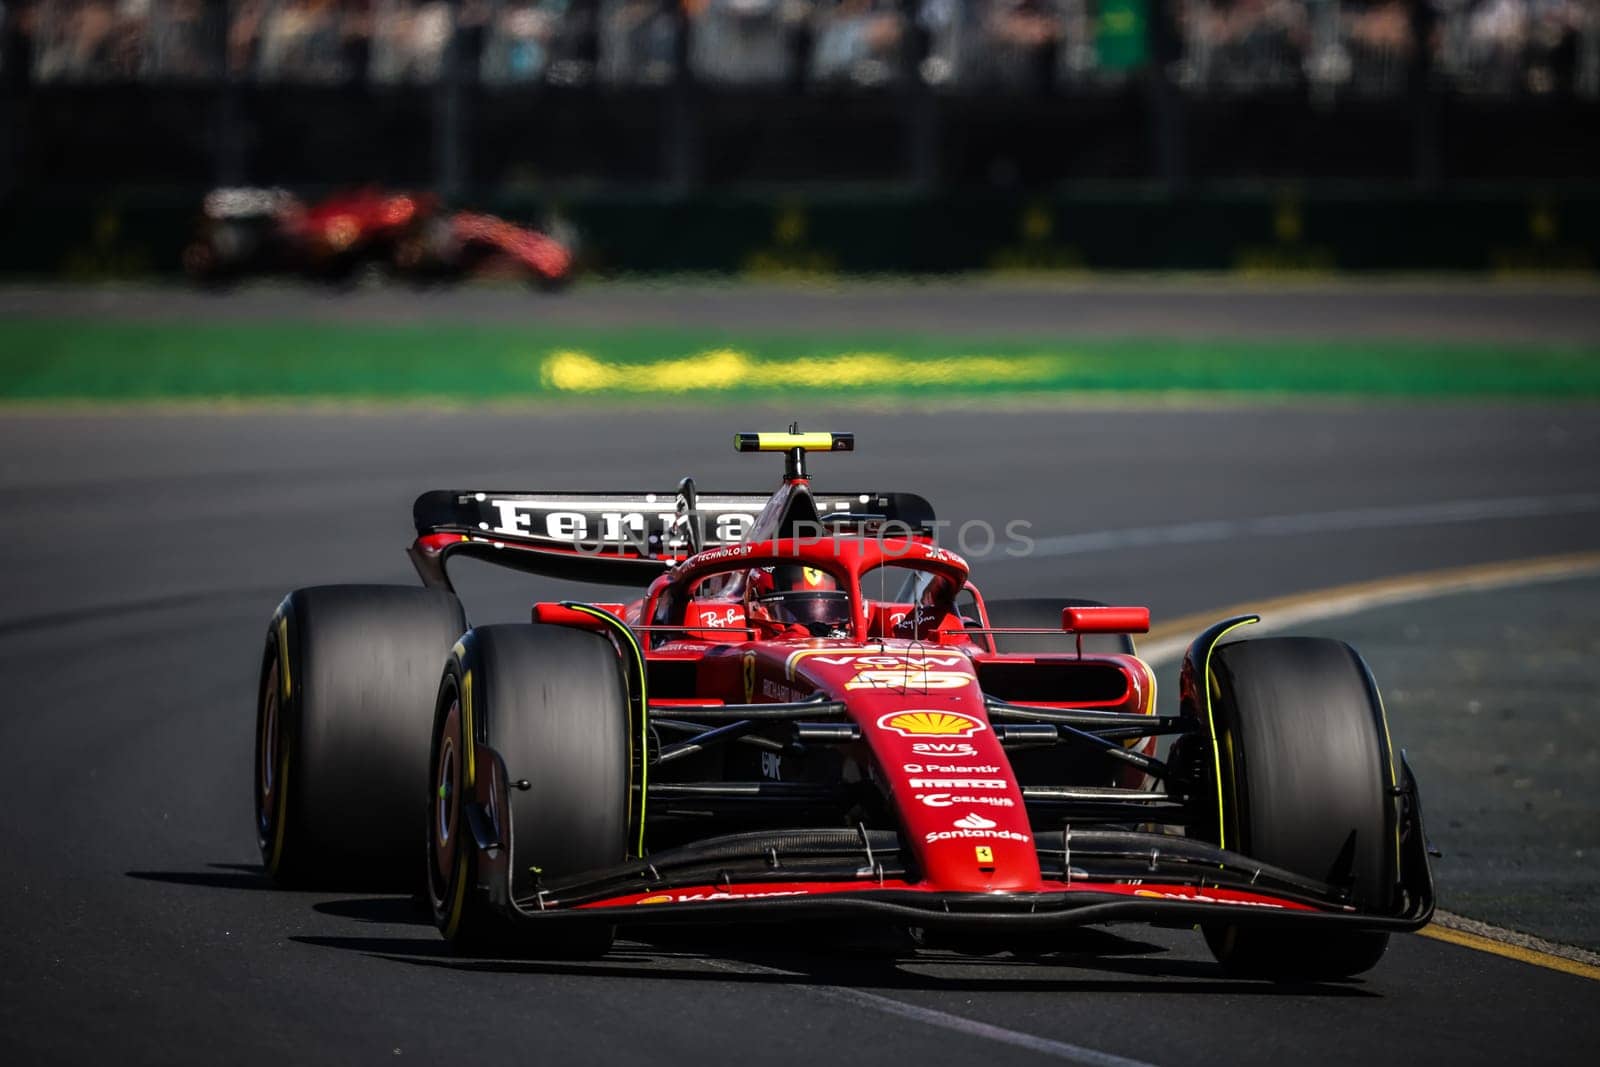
1210 683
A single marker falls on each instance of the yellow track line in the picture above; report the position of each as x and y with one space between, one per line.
1169 638
1166 640
1511 951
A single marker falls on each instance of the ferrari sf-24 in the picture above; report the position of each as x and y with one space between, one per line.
812 713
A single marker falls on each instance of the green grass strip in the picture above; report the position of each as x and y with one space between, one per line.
56 360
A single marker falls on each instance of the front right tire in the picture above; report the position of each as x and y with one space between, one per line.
1305 781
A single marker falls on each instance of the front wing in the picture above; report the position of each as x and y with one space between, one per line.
1093 876
1056 905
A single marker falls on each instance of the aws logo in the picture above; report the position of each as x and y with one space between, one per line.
931 724
944 748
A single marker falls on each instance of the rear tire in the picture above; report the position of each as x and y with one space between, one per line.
1306 773
551 703
343 714
1044 613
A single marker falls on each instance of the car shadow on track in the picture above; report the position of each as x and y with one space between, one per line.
1098 964
254 876
1083 960
218 876
411 911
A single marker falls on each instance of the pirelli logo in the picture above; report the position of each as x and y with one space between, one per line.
959 783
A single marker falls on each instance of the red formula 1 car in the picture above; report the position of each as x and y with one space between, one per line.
262 231
812 713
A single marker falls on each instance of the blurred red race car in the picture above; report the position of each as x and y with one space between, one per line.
367 232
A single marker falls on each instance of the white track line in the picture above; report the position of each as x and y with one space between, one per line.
1344 521
860 998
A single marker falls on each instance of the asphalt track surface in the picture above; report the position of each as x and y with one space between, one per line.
1464 310
147 552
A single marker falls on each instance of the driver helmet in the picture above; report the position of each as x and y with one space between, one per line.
803 596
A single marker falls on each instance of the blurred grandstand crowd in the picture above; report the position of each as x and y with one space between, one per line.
1498 47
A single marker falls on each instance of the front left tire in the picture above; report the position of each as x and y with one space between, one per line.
550 705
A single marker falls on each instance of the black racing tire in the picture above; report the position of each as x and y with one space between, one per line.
551 702
343 715
1306 784
1045 613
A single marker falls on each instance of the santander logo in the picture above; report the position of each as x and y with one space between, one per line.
973 825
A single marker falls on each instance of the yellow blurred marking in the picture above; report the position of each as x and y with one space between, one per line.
726 368
1511 952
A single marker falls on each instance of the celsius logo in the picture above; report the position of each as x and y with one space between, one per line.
950 800
974 821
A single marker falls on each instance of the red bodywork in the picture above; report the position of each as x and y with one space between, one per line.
919 763
916 684
917 701
350 222
711 894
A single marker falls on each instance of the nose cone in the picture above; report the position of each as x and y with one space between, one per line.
936 756
960 807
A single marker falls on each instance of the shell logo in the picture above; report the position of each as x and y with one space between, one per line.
659 898
930 724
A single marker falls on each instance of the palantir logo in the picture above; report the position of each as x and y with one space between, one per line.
974 821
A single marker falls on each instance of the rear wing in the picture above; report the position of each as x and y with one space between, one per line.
616 538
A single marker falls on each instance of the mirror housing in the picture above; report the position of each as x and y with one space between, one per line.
1105 620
